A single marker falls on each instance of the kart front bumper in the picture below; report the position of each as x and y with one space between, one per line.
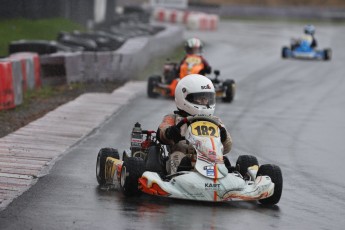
193 186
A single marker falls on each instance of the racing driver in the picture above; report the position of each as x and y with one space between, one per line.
194 95
193 48
192 63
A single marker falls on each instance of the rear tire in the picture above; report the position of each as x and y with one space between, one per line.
101 160
274 172
132 169
327 54
244 162
285 51
152 82
230 91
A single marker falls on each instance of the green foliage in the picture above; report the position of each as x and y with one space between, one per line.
44 92
45 29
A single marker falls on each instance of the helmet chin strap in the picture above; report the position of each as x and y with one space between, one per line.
182 113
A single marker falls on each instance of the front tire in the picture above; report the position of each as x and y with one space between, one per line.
274 172
285 52
244 162
101 160
152 82
230 90
132 169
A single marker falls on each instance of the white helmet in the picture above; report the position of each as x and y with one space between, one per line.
195 95
193 46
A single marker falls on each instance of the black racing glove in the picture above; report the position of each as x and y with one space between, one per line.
223 134
173 133
208 69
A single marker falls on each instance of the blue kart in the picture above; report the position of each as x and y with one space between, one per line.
303 50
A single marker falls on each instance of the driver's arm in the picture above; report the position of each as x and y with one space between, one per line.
227 144
178 67
207 69
313 43
168 121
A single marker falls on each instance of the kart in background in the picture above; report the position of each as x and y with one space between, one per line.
301 49
212 178
165 85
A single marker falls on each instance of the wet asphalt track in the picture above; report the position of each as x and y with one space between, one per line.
287 112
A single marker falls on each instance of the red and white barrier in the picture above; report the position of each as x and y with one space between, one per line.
18 72
32 71
169 15
192 20
201 21
6 86
24 70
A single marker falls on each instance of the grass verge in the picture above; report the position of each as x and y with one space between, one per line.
45 29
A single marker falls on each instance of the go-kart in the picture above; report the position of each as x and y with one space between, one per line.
165 86
224 89
211 177
301 49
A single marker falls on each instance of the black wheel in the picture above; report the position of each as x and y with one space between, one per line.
132 169
153 80
100 164
327 54
230 90
245 161
275 174
285 51
73 40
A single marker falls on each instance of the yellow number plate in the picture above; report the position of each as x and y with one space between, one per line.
205 128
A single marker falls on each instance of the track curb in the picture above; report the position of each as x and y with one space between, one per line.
31 151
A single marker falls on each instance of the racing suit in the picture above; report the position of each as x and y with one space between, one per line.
307 37
181 149
204 71
182 72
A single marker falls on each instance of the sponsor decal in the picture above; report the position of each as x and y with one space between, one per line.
212 186
206 86
136 140
209 170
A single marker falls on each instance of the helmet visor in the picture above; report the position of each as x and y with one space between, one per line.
206 98
194 50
